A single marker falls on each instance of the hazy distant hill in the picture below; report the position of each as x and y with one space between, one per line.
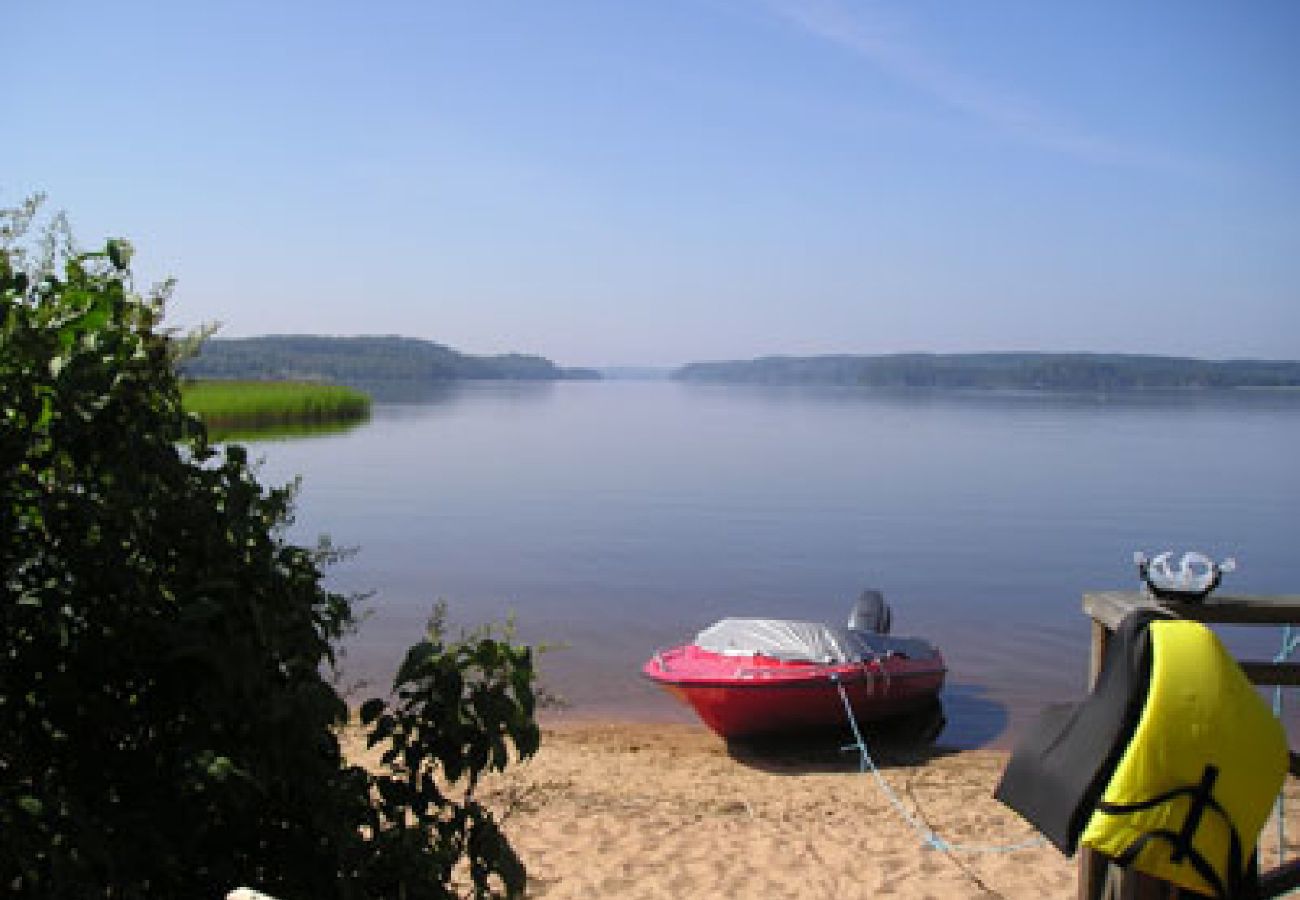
1033 371
635 373
362 360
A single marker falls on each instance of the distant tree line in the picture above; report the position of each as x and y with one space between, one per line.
1020 371
360 360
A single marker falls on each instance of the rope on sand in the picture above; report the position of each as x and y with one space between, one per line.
932 841
929 839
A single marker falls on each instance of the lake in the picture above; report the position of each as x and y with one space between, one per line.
616 518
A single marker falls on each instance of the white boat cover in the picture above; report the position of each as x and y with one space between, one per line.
805 641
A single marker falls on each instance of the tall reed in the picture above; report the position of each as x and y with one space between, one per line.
272 404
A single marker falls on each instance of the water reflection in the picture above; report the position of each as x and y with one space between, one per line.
409 392
1161 402
975 717
906 740
275 430
617 517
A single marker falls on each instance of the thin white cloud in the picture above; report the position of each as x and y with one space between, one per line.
884 43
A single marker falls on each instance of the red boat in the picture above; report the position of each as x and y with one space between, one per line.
748 677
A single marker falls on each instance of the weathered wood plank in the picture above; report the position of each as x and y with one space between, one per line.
1094 879
1271 672
1097 651
1110 608
1092 868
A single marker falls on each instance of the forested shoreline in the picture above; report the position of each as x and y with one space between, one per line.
1018 371
364 360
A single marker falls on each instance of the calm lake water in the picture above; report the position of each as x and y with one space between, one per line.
620 517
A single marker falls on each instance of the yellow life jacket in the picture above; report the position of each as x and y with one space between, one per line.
1195 783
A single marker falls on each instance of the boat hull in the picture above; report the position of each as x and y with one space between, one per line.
752 696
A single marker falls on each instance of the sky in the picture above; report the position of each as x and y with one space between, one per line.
666 181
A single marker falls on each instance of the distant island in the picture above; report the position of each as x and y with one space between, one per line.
364 361
1014 371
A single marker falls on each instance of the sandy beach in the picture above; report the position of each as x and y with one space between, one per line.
658 810
642 810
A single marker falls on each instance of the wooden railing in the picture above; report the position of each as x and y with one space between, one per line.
1099 879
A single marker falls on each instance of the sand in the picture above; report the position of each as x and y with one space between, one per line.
649 810
640 810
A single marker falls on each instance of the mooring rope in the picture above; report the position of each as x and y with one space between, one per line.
1290 642
929 838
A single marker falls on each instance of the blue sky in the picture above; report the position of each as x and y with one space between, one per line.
666 181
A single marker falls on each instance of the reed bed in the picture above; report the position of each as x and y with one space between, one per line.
251 405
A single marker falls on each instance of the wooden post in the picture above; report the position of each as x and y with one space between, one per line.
1093 869
1099 878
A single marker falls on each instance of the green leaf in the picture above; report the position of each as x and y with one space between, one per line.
120 252
371 709
221 768
416 659
382 730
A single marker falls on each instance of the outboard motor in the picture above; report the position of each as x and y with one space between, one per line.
871 613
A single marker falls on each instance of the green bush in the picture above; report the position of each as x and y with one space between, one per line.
166 724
